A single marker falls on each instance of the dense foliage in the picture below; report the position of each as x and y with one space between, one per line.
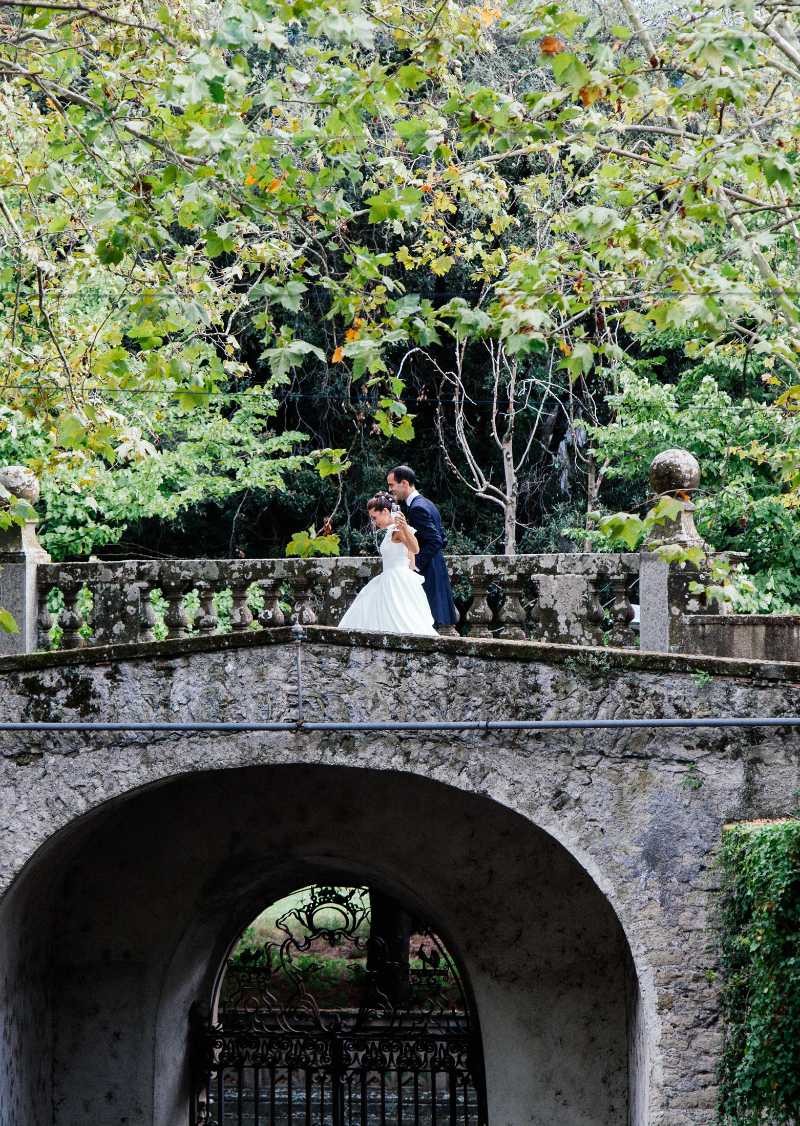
258 243
760 1073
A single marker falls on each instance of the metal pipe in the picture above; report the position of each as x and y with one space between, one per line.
298 726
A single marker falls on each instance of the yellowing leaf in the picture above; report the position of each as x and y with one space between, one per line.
442 264
443 202
488 14
790 398
589 94
338 355
273 185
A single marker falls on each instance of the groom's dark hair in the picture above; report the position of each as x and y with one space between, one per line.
404 473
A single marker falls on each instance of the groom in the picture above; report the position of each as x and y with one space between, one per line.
423 515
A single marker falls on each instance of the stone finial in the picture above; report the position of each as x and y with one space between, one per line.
676 473
20 482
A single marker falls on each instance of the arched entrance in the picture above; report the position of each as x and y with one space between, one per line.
118 927
339 1006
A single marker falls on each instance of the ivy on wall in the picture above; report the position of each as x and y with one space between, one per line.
760 961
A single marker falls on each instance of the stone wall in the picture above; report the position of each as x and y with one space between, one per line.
768 637
587 858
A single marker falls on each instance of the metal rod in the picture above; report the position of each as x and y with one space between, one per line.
403 725
552 724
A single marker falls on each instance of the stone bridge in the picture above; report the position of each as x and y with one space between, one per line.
573 872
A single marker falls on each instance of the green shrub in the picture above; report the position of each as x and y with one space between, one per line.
760 962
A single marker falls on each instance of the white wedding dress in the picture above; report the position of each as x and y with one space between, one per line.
394 601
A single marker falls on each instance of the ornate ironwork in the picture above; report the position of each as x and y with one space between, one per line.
349 1016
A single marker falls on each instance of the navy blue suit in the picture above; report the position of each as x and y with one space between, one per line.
424 517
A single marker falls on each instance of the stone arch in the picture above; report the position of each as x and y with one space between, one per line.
532 927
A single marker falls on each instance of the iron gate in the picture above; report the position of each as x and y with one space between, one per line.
304 1036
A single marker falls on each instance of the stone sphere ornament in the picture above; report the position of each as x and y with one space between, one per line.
21 482
674 471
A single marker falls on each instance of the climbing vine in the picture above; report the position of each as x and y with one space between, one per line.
760 1069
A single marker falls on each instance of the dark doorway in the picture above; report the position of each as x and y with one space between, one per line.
338 1007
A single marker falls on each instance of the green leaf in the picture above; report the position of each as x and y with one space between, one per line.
70 431
394 203
7 622
216 87
568 70
306 544
410 76
415 132
190 398
623 526
332 463
777 169
288 355
111 250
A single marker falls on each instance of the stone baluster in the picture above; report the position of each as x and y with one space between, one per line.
532 608
511 615
147 614
595 616
272 616
621 611
69 619
241 614
175 618
44 619
303 614
479 614
208 619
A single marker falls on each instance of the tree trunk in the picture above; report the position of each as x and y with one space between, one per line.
591 495
512 493
389 943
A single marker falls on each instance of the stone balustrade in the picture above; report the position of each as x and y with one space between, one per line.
572 599
568 599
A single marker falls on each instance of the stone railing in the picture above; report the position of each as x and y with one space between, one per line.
574 599
569 599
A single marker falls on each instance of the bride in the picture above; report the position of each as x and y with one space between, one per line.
394 601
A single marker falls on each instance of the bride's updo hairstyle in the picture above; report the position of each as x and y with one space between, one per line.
381 502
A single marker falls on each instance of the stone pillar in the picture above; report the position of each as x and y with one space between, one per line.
663 587
20 555
654 614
